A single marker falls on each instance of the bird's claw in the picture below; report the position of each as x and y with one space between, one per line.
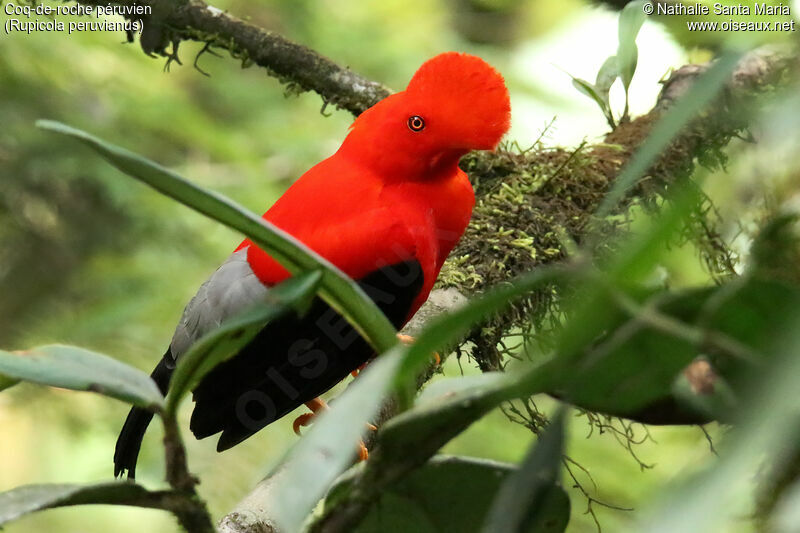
408 339
358 370
363 452
302 421
316 405
405 339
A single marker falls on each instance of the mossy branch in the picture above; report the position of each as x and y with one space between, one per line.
297 66
534 204
531 203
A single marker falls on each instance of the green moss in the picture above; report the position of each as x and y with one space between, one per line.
533 204
527 200
524 202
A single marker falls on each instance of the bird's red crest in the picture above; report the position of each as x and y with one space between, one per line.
472 89
454 103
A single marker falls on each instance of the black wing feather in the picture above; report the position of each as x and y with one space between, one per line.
291 361
295 359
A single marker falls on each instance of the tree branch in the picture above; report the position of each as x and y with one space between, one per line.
192 512
301 68
567 186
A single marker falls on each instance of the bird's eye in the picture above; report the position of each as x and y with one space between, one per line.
416 123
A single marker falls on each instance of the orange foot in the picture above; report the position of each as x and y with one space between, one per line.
358 370
408 339
363 452
316 405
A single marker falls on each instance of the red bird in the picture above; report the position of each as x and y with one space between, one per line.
386 209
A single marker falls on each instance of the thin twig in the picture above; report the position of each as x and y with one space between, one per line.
590 500
192 514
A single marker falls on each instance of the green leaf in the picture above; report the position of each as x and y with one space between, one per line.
699 95
630 22
336 288
767 426
413 436
329 447
635 364
74 368
589 90
752 311
28 499
629 267
450 495
225 341
598 92
606 77
524 498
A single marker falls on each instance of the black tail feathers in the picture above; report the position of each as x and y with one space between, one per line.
132 433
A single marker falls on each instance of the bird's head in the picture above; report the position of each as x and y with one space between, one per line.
453 104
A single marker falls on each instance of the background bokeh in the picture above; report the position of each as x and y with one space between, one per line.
89 257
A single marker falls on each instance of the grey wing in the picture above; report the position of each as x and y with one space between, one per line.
230 290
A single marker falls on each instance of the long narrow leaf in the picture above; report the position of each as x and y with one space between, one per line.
75 368
630 22
520 500
329 447
336 288
28 499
